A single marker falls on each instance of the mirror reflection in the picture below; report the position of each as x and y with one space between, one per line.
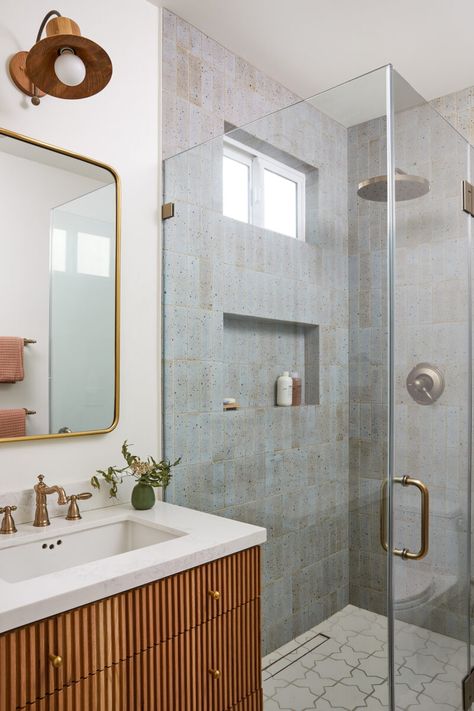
58 285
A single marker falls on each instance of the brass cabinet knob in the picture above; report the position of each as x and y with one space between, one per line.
215 673
215 594
56 660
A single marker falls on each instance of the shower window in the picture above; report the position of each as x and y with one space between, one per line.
262 191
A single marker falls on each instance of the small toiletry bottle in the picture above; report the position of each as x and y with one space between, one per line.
284 389
296 393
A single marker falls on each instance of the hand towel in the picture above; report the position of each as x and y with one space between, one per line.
12 423
11 359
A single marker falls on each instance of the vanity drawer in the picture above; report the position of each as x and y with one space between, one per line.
167 608
104 691
209 668
210 590
86 639
176 675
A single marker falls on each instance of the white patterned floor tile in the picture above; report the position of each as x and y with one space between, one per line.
332 669
407 677
292 673
373 666
380 693
365 683
295 698
405 696
344 697
317 684
347 672
424 703
451 673
271 686
327 650
364 643
357 659
324 705
270 658
443 692
372 704
424 664
270 705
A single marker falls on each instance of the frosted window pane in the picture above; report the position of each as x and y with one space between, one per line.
235 189
93 254
280 204
58 250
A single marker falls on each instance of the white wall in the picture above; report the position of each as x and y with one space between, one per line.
119 126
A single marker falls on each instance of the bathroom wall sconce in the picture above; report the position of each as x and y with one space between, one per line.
63 64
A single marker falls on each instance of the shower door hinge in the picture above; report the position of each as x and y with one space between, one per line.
468 690
468 198
167 210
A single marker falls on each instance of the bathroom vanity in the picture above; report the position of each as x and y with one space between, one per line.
169 620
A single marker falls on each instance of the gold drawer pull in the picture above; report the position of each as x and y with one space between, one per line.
215 594
215 673
56 660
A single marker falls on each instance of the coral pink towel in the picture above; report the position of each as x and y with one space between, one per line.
11 359
12 423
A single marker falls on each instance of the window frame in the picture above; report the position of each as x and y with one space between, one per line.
234 152
259 162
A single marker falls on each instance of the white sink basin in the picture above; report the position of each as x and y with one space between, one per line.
77 545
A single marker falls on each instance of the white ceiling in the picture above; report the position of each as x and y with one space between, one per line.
312 45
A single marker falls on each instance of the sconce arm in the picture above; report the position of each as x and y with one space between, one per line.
45 20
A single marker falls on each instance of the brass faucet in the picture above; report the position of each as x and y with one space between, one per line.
42 490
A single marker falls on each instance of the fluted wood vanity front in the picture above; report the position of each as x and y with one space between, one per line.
189 642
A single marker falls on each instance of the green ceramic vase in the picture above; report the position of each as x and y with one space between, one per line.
143 497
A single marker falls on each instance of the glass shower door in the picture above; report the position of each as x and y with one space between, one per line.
431 408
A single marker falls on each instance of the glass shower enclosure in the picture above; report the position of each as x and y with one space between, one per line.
328 240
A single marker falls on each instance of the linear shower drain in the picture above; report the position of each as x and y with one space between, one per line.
294 655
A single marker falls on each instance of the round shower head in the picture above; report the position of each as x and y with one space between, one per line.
407 187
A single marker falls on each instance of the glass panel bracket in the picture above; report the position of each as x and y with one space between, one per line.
167 210
468 198
468 690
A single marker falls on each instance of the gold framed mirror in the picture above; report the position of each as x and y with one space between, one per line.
60 292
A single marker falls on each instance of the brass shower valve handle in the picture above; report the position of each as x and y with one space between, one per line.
73 513
8 524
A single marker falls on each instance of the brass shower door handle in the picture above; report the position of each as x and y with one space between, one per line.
425 518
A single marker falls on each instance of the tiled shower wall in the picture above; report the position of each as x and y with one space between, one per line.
458 109
282 468
204 85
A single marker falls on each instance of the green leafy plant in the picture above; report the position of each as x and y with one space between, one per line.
147 471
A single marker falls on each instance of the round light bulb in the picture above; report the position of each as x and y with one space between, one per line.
69 68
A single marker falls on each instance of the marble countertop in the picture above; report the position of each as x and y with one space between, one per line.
202 538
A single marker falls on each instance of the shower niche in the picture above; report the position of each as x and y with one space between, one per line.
257 350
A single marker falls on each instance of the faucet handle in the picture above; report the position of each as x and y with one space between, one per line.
73 513
8 524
